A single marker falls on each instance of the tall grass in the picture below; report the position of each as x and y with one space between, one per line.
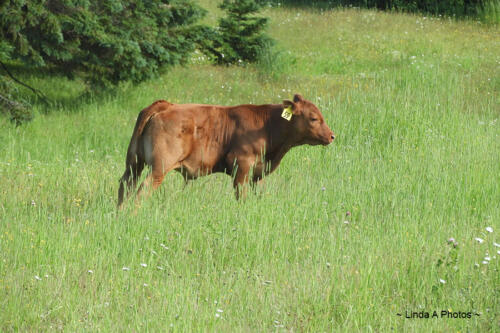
490 13
339 238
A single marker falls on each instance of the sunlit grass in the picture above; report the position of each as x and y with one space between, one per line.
415 104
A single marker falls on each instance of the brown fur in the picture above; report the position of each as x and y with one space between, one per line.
199 139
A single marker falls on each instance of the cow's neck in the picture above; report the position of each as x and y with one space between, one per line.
280 136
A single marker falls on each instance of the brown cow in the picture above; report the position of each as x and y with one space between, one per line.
246 141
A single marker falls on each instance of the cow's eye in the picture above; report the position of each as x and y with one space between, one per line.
314 119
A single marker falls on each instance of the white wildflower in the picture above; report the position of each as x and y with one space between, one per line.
485 262
90 271
144 265
126 269
489 229
479 240
496 244
38 278
442 281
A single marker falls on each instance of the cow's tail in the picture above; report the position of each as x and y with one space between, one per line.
134 163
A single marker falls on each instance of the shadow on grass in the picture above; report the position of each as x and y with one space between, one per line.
61 92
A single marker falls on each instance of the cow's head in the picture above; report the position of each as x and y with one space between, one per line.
308 123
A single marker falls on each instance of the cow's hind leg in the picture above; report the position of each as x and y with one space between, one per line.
130 178
160 167
121 190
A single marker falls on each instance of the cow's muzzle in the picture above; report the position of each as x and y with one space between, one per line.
330 138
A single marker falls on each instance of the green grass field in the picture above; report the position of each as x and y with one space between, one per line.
414 102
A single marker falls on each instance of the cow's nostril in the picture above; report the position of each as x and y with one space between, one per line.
333 137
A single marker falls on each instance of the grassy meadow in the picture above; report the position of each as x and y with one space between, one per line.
340 238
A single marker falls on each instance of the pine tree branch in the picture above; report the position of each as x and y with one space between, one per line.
36 91
10 102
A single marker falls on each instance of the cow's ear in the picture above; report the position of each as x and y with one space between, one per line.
298 98
287 103
292 105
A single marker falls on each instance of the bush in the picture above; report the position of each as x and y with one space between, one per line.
274 62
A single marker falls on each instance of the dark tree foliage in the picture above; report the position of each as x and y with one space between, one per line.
240 35
458 8
447 7
109 41
104 41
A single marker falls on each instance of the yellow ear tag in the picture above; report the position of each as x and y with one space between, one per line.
287 113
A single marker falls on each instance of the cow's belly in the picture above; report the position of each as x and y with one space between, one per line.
198 164
193 172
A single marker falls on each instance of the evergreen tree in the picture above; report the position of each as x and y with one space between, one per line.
240 35
104 41
109 41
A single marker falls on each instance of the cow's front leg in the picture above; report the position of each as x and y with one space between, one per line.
261 170
242 178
